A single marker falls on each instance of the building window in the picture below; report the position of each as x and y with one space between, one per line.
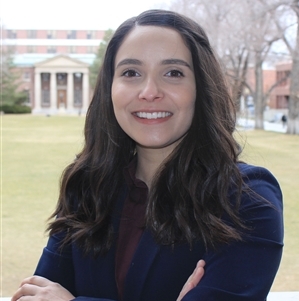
31 34
11 34
45 89
31 49
280 75
282 101
26 76
78 89
51 34
78 98
91 49
72 49
71 34
61 79
90 34
27 93
51 49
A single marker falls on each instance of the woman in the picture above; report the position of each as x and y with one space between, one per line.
158 185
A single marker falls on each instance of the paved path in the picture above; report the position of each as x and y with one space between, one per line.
283 296
248 124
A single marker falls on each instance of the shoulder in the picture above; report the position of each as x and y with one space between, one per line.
261 202
250 171
261 181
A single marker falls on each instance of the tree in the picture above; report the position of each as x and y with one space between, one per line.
222 20
10 81
293 115
293 125
260 37
97 63
243 34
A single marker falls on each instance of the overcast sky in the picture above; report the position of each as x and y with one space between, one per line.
72 14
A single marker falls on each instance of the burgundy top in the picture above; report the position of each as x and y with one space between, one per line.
131 225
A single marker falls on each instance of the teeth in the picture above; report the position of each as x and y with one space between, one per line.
154 115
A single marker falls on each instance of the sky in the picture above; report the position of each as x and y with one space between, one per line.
72 14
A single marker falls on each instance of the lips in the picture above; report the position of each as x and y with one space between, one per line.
152 115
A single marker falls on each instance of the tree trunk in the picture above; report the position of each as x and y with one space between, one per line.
258 95
293 116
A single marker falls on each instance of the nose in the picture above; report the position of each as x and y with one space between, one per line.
150 90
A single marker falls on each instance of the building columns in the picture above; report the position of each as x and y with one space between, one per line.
70 92
52 87
37 91
53 92
85 88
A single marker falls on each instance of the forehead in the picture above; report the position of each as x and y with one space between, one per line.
155 42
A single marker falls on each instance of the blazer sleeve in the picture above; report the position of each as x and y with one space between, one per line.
245 270
56 264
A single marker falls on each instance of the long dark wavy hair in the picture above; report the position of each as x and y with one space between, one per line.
189 196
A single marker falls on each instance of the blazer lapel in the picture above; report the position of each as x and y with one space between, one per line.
141 263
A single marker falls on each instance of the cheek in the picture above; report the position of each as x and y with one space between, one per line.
189 108
186 101
114 93
117 99
120 94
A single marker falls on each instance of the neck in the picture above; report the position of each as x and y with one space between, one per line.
149 161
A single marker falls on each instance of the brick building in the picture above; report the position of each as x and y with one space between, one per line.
54 67
279 96
282 91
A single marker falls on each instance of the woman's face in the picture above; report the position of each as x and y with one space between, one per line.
153 88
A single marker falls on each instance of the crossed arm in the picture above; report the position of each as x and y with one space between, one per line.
40 288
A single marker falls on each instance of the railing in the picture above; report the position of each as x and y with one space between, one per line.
273 296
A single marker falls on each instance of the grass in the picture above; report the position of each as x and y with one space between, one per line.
280 154
35 149
34 152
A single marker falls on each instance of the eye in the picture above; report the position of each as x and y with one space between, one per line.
130 73
174 73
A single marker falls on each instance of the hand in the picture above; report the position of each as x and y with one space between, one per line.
42 289
193 280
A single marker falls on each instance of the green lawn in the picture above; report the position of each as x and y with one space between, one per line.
280 154
35 149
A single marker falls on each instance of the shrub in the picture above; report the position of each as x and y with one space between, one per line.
15 109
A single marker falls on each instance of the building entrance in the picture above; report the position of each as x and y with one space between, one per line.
61 98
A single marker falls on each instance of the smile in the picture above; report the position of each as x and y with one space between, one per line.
153 115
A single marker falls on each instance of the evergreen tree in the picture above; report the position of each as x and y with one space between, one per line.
95 67
10 81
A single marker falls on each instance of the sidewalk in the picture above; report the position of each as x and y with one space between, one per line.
283 296
248 124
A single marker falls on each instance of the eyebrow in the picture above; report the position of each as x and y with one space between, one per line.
176 62
164 62
129 62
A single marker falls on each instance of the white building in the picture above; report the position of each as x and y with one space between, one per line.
54 67
61 85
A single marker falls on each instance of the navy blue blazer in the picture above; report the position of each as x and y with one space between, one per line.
242 270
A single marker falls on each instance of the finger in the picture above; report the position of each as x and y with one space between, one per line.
190 283
197 276
36 280
201 263
186 288
193 280
25 298
24 290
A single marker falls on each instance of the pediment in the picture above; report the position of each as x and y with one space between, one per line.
61 61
